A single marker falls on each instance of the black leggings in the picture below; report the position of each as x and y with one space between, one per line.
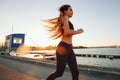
65 54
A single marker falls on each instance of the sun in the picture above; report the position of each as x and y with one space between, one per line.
39 37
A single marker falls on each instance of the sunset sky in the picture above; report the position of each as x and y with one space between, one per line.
100 20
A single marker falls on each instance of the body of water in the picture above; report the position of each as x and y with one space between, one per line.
104 62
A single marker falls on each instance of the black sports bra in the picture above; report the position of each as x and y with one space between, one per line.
71 25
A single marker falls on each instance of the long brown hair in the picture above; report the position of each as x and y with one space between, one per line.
54 26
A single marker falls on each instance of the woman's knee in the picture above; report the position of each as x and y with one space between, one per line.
59 74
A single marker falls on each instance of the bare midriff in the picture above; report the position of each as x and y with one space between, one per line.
67 39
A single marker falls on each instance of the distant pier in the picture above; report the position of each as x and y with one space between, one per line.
110 56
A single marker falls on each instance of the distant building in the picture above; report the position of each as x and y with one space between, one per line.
13 41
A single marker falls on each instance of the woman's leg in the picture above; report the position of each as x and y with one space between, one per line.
73 65
61 63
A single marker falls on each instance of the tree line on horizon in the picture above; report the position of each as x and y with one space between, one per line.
53 47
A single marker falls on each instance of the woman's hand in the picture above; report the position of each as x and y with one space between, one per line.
80 30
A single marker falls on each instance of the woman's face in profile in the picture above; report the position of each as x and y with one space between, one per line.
69 12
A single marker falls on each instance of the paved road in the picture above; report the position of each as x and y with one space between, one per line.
7 73
29 71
